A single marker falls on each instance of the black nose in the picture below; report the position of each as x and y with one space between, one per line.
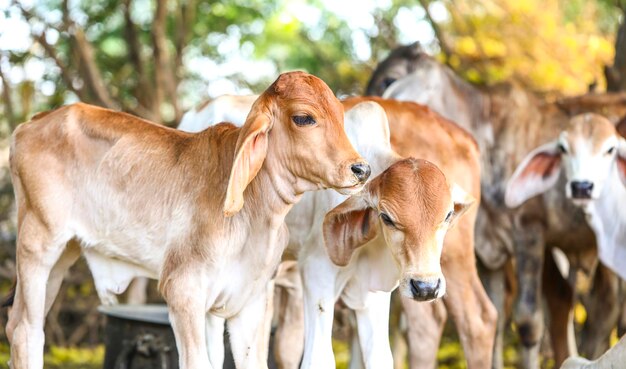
361 171
581 189
425 290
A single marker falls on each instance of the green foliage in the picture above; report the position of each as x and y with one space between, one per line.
341 350
68 358
64 358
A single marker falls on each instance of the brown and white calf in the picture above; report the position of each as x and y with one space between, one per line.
204 212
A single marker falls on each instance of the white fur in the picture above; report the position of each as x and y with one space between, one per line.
612 359
607 218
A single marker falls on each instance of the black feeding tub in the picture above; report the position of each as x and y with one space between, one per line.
140 337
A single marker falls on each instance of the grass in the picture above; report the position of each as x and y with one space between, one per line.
64 357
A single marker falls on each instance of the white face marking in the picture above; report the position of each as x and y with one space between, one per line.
586 165
429 263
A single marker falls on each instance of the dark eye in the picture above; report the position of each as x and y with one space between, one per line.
610 151
303 120
448 217
388 222
562 149
387 82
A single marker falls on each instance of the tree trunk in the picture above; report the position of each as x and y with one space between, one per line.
6 99
92 76
616 74
165 88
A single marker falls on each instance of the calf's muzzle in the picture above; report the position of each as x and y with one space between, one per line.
581 189
362 171
424 290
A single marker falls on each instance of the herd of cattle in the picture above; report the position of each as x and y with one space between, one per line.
484 202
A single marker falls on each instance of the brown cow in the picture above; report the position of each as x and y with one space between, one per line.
204 213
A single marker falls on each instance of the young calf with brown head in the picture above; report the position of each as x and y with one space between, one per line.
593 158
204 212
410 201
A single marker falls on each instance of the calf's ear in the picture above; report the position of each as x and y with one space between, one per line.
621 160
537 173
347 227
462 202
250 153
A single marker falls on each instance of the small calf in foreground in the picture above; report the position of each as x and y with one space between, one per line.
204 212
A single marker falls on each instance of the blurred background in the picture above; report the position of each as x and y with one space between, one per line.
158 59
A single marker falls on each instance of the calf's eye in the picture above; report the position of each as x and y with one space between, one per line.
387 82
562 149
448 217
387 220
303 120
610 151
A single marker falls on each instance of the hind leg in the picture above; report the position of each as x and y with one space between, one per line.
38 251
474 315
67 259
466 301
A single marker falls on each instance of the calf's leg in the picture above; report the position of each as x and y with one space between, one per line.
187 302
289 335
373 331
39 248
603 309
248 334
425 323
560 298
466 301
528 314
318 278
215 339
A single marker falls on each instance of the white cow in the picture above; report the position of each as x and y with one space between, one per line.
593 157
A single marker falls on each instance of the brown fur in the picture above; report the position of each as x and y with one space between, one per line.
419 132
190 203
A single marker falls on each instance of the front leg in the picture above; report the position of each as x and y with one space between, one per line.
248 333
289 335
559 295
373 330
318 278
603 309
187 310
215 339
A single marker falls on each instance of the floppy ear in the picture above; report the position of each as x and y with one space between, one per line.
621 160
348 226
250 153
367 127
537 173
462 202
